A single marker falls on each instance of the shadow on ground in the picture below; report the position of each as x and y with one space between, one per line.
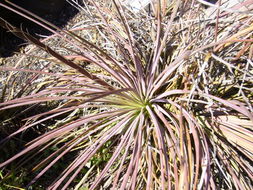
59 14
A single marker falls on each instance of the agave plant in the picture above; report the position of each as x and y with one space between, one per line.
153 104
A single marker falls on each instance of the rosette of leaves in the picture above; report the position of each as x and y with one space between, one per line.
143 110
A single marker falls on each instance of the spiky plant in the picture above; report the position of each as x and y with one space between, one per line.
155 103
